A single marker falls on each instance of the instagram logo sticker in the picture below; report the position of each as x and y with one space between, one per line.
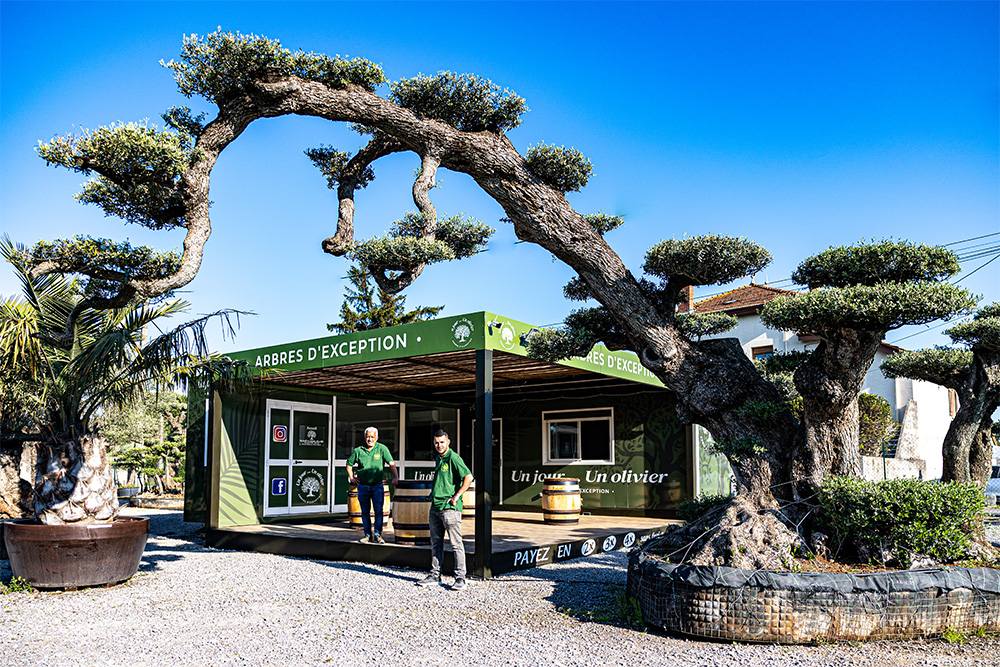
280 434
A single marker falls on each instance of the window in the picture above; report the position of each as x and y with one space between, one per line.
421 423
354 415
579 436
763 352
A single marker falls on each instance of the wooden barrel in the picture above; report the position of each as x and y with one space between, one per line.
411 511
354 507
469 502
561 500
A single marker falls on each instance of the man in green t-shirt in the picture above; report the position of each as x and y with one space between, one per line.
370 459
452 478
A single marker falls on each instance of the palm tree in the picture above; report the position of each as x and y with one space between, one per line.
104 362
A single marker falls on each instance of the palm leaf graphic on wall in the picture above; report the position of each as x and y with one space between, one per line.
239 470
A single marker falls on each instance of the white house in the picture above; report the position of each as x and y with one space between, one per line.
924 409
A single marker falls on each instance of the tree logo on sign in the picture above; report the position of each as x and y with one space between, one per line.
461 332
309 486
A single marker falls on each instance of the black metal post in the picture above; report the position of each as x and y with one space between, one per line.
482 564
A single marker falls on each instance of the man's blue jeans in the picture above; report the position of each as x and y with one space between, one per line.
371 496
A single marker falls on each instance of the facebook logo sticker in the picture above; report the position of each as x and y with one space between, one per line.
278 486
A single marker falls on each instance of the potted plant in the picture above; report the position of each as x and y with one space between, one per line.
78 360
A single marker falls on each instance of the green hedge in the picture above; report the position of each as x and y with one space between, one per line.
901 518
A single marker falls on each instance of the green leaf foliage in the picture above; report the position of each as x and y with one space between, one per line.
876 263
332 163
697 325
876 423
83 253
565 169
181 120
222 65
147 437
983 331
705 260
576 289
942 365
785 384
878 307
903 517
361 312
604 223
582 330
399 253
783 362
405 247
465 237
464 101
138 169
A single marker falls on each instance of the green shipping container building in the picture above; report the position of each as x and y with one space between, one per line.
278 455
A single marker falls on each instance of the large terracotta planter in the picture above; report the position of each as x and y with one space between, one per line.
75 556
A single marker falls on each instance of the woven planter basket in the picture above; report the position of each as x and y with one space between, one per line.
794 608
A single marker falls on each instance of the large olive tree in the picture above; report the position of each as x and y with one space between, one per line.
974 374
160 179
857 294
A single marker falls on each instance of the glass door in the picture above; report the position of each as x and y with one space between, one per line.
297 458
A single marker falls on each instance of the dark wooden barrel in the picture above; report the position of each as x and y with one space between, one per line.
469 502
354 507
561 500
75 555
411 509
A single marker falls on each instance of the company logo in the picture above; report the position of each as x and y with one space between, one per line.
461 332
507 336
309 485
628 540
278 486
309 436
609 542
279 434
588 547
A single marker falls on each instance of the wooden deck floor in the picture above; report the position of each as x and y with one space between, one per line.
520 540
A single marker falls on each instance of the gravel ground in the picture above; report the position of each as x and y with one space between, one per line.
190 605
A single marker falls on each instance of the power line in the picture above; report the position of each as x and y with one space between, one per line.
974 238
969 274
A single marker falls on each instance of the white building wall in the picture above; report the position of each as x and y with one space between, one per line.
935 418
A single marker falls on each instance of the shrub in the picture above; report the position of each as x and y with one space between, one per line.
876 423
899 518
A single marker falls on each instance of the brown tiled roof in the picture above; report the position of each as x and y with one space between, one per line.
749 300
746 300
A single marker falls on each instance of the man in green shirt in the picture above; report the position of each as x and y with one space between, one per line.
452 478
370 460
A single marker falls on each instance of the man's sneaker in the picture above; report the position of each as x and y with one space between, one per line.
365 540
458 585
378 539
429 580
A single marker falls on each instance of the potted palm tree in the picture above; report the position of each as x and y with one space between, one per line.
78 361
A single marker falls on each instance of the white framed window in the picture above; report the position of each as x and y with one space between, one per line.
579 436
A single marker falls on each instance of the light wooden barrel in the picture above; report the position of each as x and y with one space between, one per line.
469 502
354 507
411 511
561 500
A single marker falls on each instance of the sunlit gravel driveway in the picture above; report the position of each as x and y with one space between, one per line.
195 606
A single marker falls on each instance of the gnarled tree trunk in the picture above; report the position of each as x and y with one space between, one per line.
967 447
829 382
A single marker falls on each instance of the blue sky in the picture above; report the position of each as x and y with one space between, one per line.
797 125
